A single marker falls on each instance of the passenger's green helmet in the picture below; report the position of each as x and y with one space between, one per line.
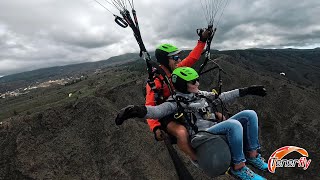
164 51
181 76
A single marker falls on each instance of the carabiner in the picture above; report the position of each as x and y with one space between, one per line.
120 21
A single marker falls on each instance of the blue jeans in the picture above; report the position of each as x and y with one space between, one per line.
241 131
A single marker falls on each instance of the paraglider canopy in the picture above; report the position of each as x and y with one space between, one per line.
213 10
282 74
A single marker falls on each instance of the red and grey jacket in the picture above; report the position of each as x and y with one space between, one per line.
151 96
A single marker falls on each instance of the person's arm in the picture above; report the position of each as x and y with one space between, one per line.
162 110
193 56
226 97
155 112
230 96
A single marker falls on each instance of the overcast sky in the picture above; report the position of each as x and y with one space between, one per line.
44 33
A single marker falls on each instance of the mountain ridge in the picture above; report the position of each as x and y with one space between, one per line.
46 134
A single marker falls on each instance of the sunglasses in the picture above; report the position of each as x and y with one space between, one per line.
193 82
175 57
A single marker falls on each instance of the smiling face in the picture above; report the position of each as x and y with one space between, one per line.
193 86
174 61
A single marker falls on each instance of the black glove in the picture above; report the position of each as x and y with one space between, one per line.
204 34
130 111
253 90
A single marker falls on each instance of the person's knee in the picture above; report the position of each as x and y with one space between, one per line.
182 134
234 125
250 113
179 131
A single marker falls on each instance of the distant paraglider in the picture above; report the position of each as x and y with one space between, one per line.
283 74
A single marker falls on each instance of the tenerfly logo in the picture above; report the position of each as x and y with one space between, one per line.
276 158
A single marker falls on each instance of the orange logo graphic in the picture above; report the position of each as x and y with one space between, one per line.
276 160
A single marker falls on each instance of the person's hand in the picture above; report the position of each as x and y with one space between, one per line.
158 135
207 33
130 111
204 34
253 90
220 116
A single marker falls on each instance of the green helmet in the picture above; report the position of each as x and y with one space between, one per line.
181 76
163 51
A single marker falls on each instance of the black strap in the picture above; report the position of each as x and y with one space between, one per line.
207 59
208 49
136 32
159 92
181 169
192 119
134 25
189 117
160 71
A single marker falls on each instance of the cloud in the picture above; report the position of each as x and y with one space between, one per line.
36 34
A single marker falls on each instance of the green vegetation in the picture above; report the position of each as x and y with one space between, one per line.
40 99
15 81
75 135
300 67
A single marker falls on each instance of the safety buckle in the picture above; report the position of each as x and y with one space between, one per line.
215 92
177 115
228 172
